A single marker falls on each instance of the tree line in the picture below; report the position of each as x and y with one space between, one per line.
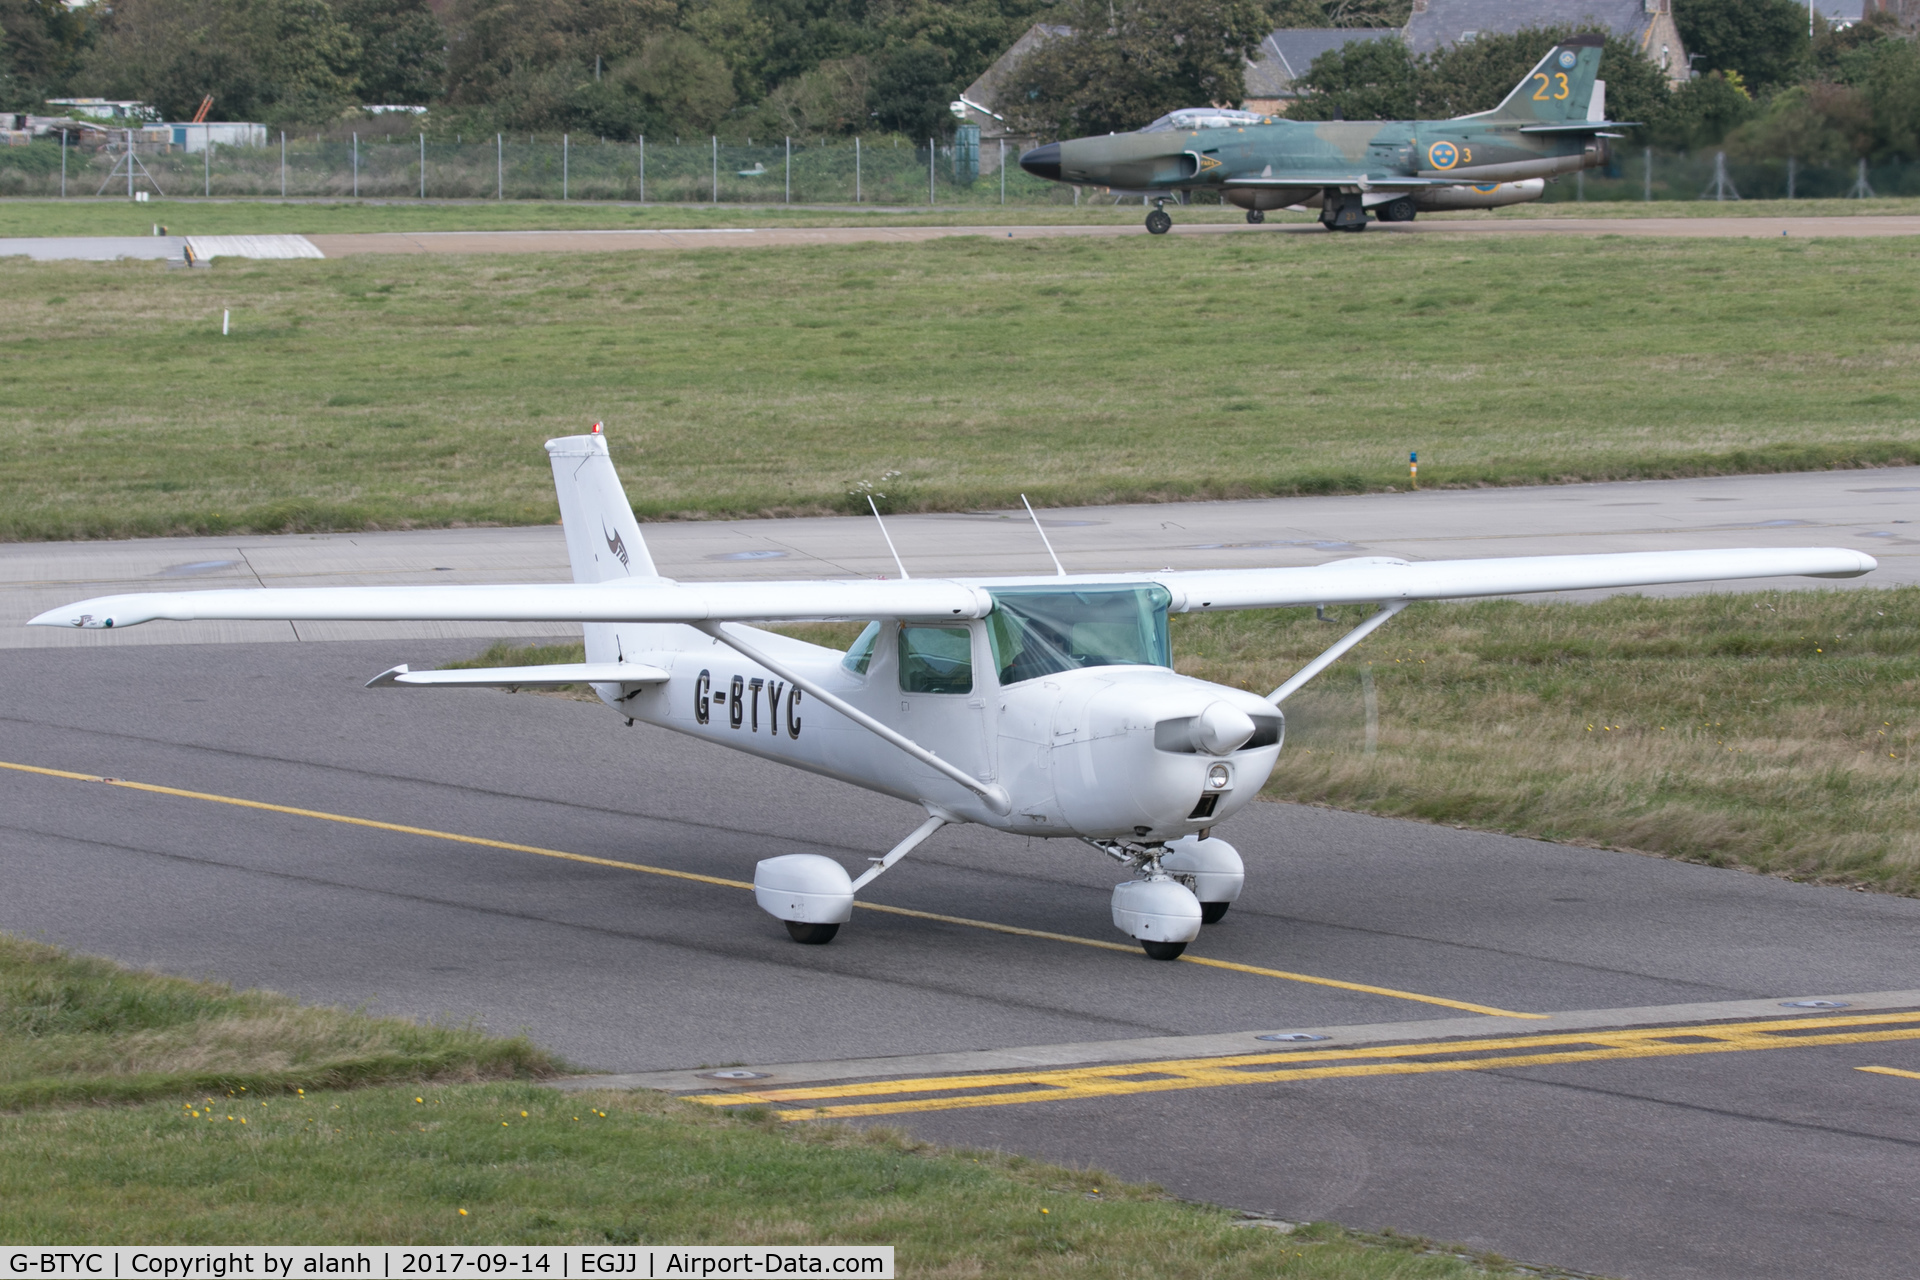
821 68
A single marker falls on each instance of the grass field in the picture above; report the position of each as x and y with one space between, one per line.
218 216
251 1157
387 392
1773 732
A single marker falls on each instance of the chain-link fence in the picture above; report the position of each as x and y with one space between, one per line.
1644 174
889 171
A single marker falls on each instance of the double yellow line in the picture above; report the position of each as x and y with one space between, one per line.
643 868
954 1093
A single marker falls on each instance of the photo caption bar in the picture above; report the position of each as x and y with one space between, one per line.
381 1262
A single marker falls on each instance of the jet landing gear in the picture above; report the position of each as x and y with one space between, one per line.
1256 217
1401 210
1342 211
1180 886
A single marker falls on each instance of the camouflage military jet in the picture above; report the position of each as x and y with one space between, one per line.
1552 123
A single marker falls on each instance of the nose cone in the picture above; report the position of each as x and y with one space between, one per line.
1221 729
1043 162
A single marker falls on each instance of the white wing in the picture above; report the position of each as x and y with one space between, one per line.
622 600
1371 580
1365 580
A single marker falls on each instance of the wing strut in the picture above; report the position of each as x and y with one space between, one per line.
901 850
1333 651
995 795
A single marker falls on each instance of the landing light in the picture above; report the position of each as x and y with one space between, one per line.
1219 776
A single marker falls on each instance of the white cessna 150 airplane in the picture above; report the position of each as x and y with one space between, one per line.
1042 706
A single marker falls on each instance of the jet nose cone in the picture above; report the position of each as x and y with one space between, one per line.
1043 162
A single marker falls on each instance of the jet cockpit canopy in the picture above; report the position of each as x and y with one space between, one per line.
1205 118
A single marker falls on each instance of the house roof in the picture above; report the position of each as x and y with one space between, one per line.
986 89
1447 22
1285 55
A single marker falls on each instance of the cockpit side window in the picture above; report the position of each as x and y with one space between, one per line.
860 652
936 660
1039 631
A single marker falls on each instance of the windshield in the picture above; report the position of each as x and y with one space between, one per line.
1037 631
1205 118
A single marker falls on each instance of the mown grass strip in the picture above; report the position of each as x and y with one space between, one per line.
82 1029
239 1154
1771 731
385 392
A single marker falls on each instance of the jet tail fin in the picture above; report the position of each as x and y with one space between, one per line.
1559 89
603 538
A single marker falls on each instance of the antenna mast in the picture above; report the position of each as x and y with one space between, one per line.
1043 536
889 537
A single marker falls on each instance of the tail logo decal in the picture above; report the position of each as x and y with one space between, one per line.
1443 155
1567 58
616 544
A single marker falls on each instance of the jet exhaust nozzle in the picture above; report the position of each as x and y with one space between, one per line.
1043 162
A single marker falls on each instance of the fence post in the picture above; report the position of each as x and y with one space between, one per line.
283 164
1647 175
856 166
499 166
63 164
643 168
1003 171
423 166
715 140
930 156
356 166
129 164
789 170
206 160
1862 189
1792 166
565 154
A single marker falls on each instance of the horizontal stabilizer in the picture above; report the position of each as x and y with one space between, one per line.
542 677
1580 126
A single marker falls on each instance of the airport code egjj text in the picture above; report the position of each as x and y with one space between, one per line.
662 1262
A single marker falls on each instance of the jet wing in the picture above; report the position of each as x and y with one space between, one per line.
1373 580
1361 180
626 600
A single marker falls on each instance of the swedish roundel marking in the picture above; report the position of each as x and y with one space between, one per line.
1443 155
1566 58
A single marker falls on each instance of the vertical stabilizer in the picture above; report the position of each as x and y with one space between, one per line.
603 538
1559 88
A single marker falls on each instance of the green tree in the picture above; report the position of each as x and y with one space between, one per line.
1816 123
403 50
275 61
1362 80
41 45
1703 112
1126 62
1764 40
911 86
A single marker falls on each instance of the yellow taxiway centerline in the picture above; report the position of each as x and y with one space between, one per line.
1891 1071
643 868
886 1097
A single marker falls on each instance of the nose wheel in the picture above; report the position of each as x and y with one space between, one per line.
1158 223
1256 217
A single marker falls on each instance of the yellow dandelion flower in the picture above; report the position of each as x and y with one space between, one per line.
463 1213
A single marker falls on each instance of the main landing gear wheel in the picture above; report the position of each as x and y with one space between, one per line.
1256 217
1401 210
1212 912
814 935
1163 950
1159 223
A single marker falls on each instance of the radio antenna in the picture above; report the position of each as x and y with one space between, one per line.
1043 535
889 537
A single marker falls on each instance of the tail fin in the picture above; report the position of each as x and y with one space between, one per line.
1559 89
603 538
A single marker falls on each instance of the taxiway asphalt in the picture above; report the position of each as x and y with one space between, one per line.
1876 511
469 898
506 853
